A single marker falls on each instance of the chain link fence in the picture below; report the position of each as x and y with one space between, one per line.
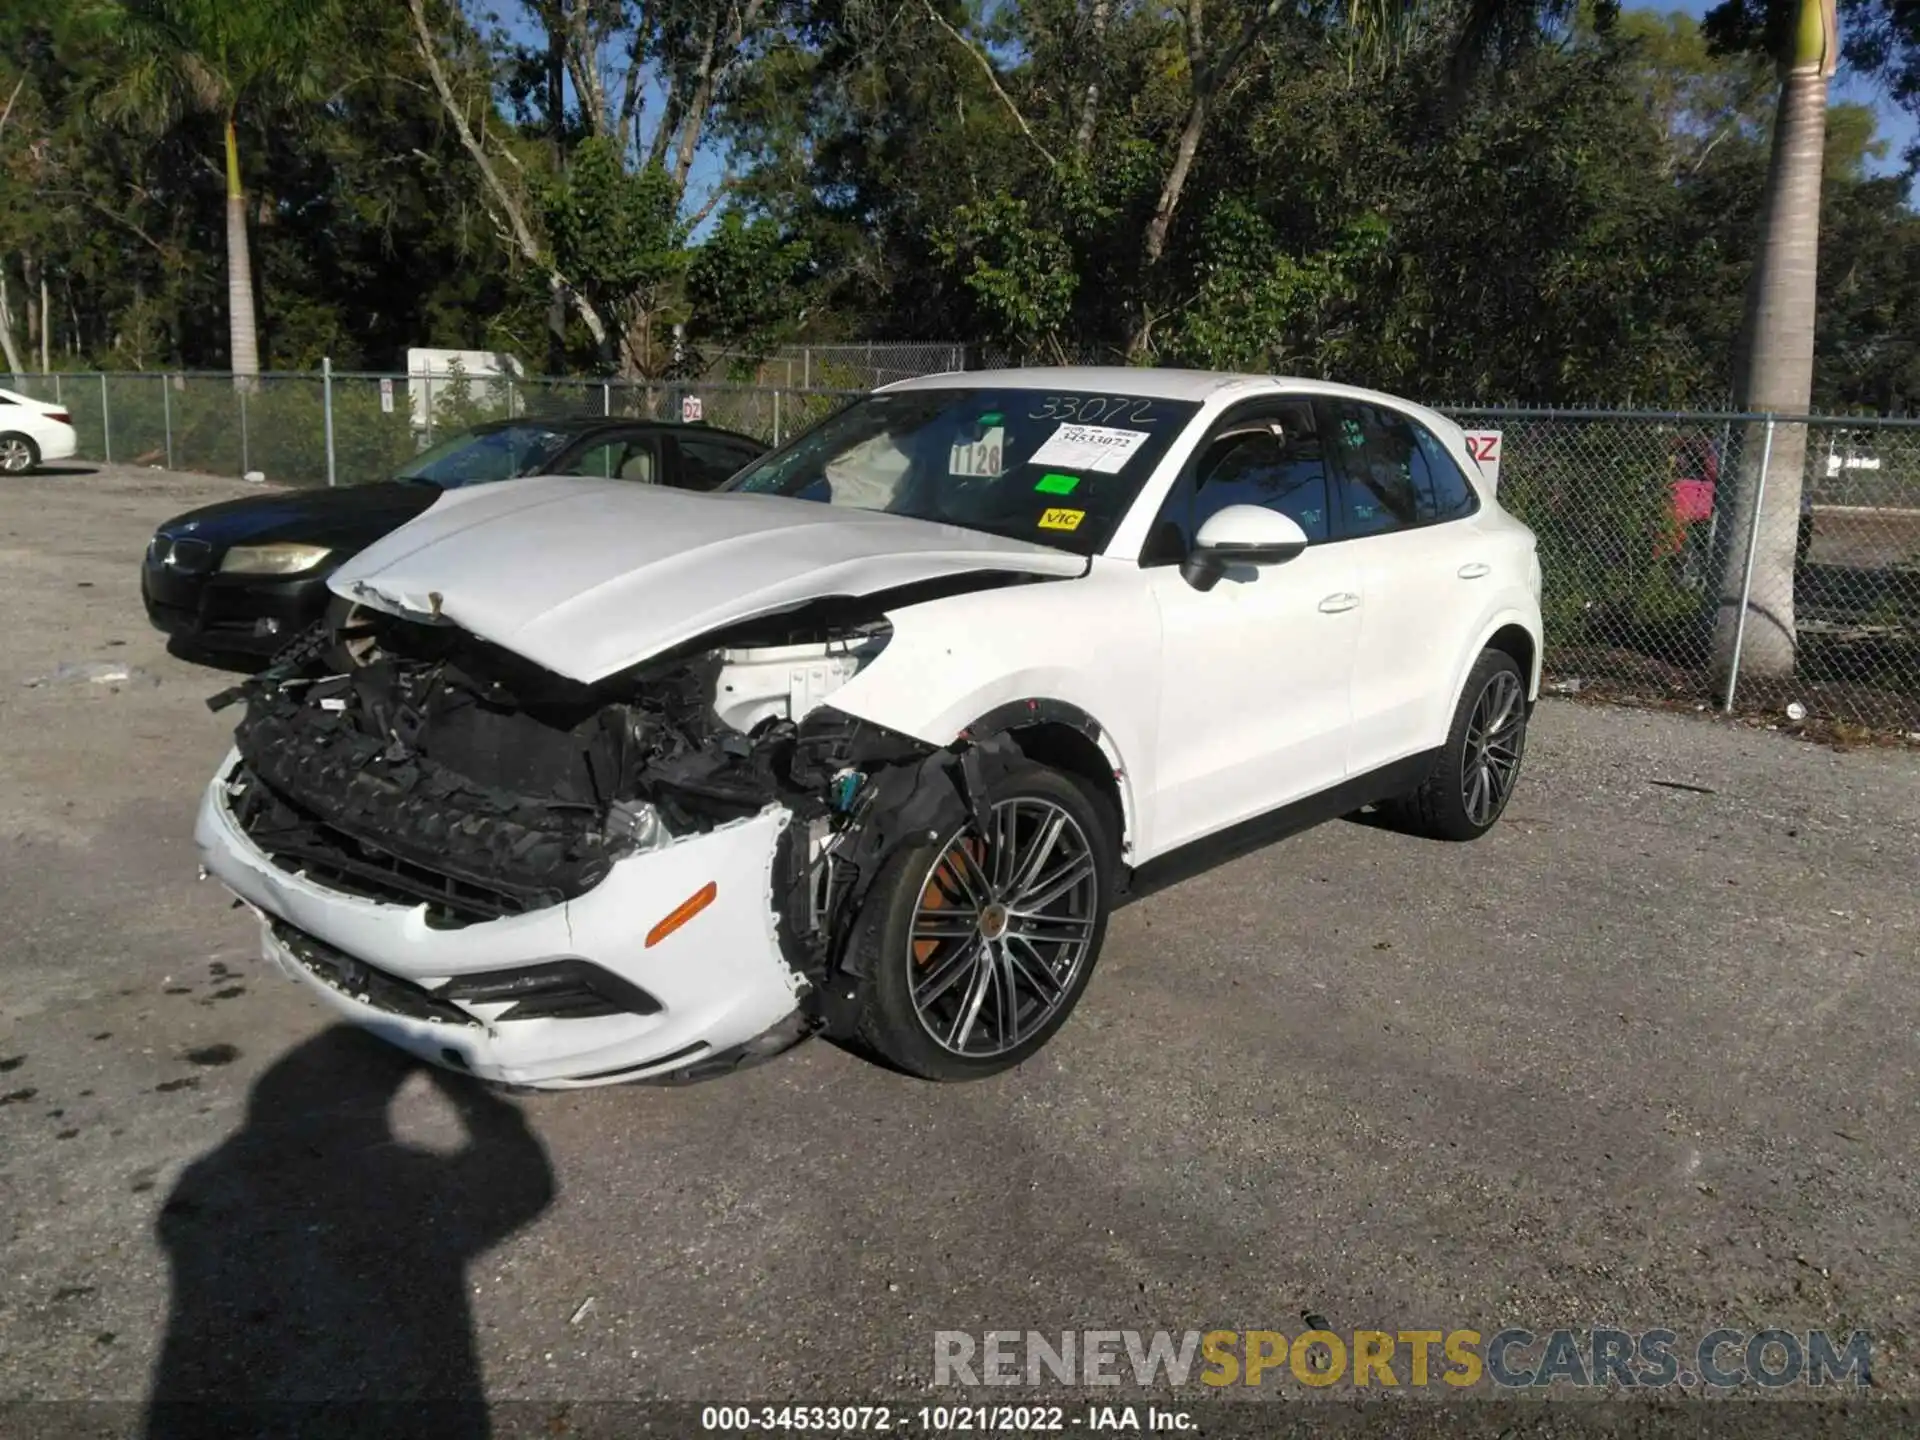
1673 573
840 367
344 428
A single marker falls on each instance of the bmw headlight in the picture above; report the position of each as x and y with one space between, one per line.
280 559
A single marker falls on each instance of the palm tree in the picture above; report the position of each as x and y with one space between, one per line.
219 59
1774 373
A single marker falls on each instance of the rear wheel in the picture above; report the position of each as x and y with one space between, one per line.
18 453
1473 778
976 947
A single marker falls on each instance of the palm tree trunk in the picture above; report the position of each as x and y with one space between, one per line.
243 336
1776 363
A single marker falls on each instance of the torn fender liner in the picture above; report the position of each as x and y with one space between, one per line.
904 805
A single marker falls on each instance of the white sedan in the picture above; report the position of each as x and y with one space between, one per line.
33 431
637 783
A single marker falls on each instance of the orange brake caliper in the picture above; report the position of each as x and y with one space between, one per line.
934 898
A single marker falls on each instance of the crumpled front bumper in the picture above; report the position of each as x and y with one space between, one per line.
720 979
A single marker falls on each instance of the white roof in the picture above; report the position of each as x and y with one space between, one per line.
1199 385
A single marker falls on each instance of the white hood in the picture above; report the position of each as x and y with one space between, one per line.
588 577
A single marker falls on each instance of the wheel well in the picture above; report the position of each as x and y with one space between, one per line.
1060 746
1515 641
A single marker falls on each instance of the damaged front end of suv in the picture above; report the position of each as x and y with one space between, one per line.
552 883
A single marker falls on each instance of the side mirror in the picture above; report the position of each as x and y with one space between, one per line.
1241 535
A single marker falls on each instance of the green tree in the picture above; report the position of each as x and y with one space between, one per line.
223 59
617 234
1868 343
1019 276
745 288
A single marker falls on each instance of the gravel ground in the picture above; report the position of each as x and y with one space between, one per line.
1646 1056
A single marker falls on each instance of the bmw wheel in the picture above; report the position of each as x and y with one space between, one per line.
1473 778
351 630
976 947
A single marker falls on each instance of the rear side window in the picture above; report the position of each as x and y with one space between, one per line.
1447 495
1397 473
1377 461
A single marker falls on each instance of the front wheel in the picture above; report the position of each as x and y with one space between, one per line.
1473 777
350 629
976 947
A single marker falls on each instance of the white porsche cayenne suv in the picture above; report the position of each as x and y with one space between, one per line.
638 783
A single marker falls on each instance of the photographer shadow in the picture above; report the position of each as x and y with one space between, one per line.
319 1259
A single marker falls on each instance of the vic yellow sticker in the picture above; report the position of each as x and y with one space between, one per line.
1062 519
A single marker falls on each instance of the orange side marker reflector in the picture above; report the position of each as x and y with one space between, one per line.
682 913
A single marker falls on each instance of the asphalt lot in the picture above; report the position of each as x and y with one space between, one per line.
1645 1056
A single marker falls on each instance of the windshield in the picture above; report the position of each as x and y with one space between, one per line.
1056 467
475 457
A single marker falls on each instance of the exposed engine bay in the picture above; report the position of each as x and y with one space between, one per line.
448 772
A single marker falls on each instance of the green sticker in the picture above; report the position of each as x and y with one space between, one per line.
1058 484
992 417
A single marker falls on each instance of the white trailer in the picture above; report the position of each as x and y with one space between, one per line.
488 375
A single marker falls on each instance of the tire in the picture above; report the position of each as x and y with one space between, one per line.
18 453
1045 970
1449 805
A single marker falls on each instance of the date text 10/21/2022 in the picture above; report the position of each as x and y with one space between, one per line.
943 1419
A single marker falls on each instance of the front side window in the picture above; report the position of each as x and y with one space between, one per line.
707 461
599 461
478 457
1275 461
617 459
1056 468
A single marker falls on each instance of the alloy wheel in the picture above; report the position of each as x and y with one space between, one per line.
1003 928
1492 756
15 456
359 644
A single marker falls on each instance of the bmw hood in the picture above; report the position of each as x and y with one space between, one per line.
589 577
349 516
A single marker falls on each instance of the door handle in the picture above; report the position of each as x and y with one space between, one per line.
1334 604
1474 570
